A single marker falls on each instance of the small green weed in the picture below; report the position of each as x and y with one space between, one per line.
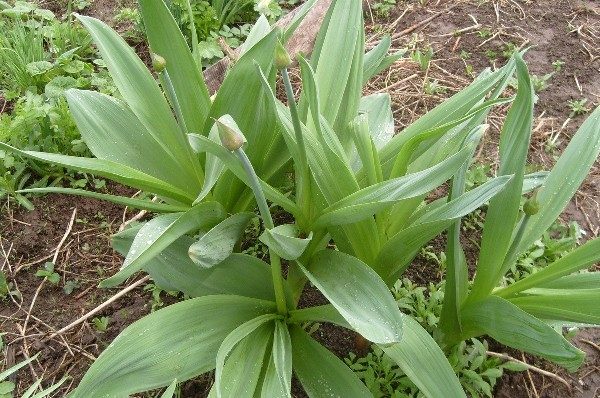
48 273
383 8
423 57
559 240
540 83
558 65
101 323
484 33
578 107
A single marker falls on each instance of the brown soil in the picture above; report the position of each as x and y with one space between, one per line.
30 238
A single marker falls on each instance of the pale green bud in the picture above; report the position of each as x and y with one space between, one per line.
231 136
531 206
282 57
158 63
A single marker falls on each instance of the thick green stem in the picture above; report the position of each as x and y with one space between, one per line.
268 222
302 169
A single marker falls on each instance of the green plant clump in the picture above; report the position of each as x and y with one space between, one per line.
40 58
357 205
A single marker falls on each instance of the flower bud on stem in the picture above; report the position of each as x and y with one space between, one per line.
233 139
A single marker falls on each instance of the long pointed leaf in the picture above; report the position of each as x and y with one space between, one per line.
112 132
157 234
107 169
580 258
217 244
515 328
321 373
358 293
242 332
166 39
173 270
564 179
419 356
178 342
120 200
143 96
503 210
375 198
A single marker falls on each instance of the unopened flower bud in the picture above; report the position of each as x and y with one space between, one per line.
158 63
282 57
531 205
229 132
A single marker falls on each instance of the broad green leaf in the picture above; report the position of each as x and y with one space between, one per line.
531 181
358 293
284 241
173 270
120 200
353 88
583 280
107 169
170 391
534 180
245 366
322 374
385 63
375 198
457 278
259 30
365 147
213 165
334 178
503 210
419 356
166 39
381 120
297 20
320 313
112 132
561 304
316 122
564 179
158 233
376 60
580 258
216 245
511 326
277 381
272 386
282 355
179 342
336 44
143 95
243 384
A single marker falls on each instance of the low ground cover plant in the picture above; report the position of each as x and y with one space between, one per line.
40 58
357 205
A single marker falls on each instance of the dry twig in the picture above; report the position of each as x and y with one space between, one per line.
530 367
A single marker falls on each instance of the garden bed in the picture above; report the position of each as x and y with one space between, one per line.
466 37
